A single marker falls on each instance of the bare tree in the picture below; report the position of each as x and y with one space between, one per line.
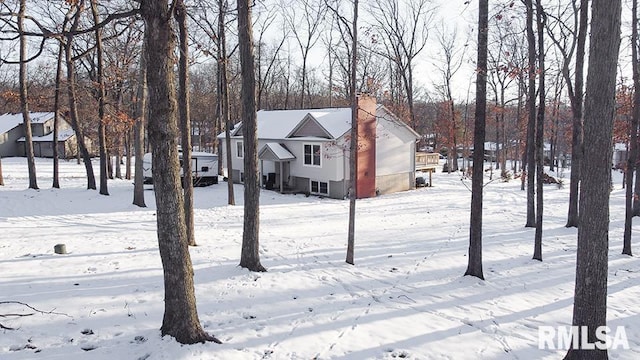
180 314
531 112
250 256
268 55
540 22
452 59
306 28
223 89
633 132
353 145
180 14
141 107
474 266
570 40
590 301
576 105
56 114
24 102
74 13
349 30
404 32
101 95
500 76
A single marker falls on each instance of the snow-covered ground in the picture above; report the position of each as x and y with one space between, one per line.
406 297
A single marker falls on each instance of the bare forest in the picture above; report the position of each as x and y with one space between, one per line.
515 85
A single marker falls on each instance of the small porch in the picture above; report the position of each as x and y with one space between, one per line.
275 166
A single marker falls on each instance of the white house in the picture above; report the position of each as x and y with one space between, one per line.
308 151
12 135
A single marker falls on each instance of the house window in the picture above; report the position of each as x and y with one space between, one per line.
312 155
319 187
240 149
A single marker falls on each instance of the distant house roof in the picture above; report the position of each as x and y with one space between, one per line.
9 121
63 135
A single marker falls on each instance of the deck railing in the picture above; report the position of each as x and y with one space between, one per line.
426 160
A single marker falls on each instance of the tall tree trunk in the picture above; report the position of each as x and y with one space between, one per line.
102 140
1 177
590 301
540 21
138 130
576 107
474 266
635 119
56 119
24 100
353 145
250 256
180 314
185 120
531 125
224 96
73 107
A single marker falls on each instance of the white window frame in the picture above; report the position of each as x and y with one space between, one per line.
240 150
319 192
304 155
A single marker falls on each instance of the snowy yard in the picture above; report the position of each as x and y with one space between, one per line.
405 297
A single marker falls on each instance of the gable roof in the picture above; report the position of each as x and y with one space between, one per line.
9 121
279 124
328 123
309 126
275 152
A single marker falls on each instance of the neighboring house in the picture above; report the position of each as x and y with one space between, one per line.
620 156
12 136
308 151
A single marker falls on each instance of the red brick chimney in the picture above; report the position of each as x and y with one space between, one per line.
366 169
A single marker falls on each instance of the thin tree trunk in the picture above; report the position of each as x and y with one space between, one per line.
540 20
24 100
101 103
635 119
1 177
224 97
576 107
590 301
56 119
127 146
73 107
185 120
531 125
353 147
474 266
250 256
141 106
180 314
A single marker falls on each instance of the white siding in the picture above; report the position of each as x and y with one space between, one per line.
331 161
394 149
